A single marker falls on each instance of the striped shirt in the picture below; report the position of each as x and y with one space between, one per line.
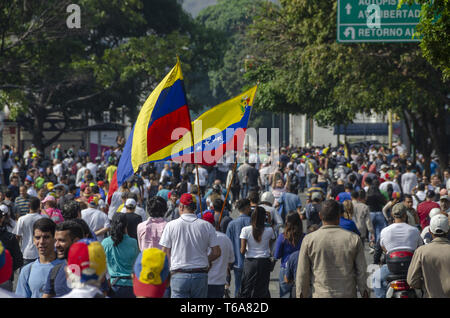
22 205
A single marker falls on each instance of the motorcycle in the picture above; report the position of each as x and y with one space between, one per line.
398 263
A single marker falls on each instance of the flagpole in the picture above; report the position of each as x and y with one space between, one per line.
232 177
228 192
193 146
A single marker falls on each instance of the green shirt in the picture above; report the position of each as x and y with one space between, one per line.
120 259
39 182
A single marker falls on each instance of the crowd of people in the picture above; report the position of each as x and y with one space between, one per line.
173 231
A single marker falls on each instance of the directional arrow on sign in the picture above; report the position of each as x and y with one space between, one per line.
348 7
349 30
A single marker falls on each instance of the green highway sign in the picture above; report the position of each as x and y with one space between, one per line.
376 21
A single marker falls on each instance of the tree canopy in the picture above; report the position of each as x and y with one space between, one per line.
50 73
302 69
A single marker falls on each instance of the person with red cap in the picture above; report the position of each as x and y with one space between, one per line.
186 241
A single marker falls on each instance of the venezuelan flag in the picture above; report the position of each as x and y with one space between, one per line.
220 129
151 138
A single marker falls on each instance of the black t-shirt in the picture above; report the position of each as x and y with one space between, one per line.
253 175
133 220
284 159
338 188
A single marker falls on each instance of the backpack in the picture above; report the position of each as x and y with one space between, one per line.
54 271
235 184
314 217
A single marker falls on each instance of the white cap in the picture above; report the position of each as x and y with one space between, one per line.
434 211
130 203
15 170
316 195
4 209
267 197
439 224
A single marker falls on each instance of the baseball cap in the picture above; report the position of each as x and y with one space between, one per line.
267 197
209 217
186 199
316 195
86 261
4 210
5 264
93 200
439 224
50 186
48 198
399 210
101 183
151 273
83 186
15 170
384 166
29 178
130 203
434 211
444 197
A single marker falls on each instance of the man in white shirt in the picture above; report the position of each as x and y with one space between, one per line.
97 220
409 181
397 236
384 185
80 174
92 166
203 176
24 231
217 275
186 241
57 169
166 173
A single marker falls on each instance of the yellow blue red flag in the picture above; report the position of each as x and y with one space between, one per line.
151 138
220 129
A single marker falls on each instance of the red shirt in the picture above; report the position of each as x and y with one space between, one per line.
423 209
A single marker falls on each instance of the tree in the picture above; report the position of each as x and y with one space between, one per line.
302 69
230 19
434 29
121 52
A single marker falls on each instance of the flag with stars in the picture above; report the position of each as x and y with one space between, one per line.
218 130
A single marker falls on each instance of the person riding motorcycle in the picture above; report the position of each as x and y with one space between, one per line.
399 236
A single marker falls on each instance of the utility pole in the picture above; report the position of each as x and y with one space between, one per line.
390 128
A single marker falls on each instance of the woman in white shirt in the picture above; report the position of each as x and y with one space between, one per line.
256 241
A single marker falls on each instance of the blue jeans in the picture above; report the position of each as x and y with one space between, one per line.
244 190
122 292
237 280
379 281
189 285
285 288
302 184
378 222
216 291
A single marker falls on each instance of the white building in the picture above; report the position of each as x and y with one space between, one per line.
305 131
